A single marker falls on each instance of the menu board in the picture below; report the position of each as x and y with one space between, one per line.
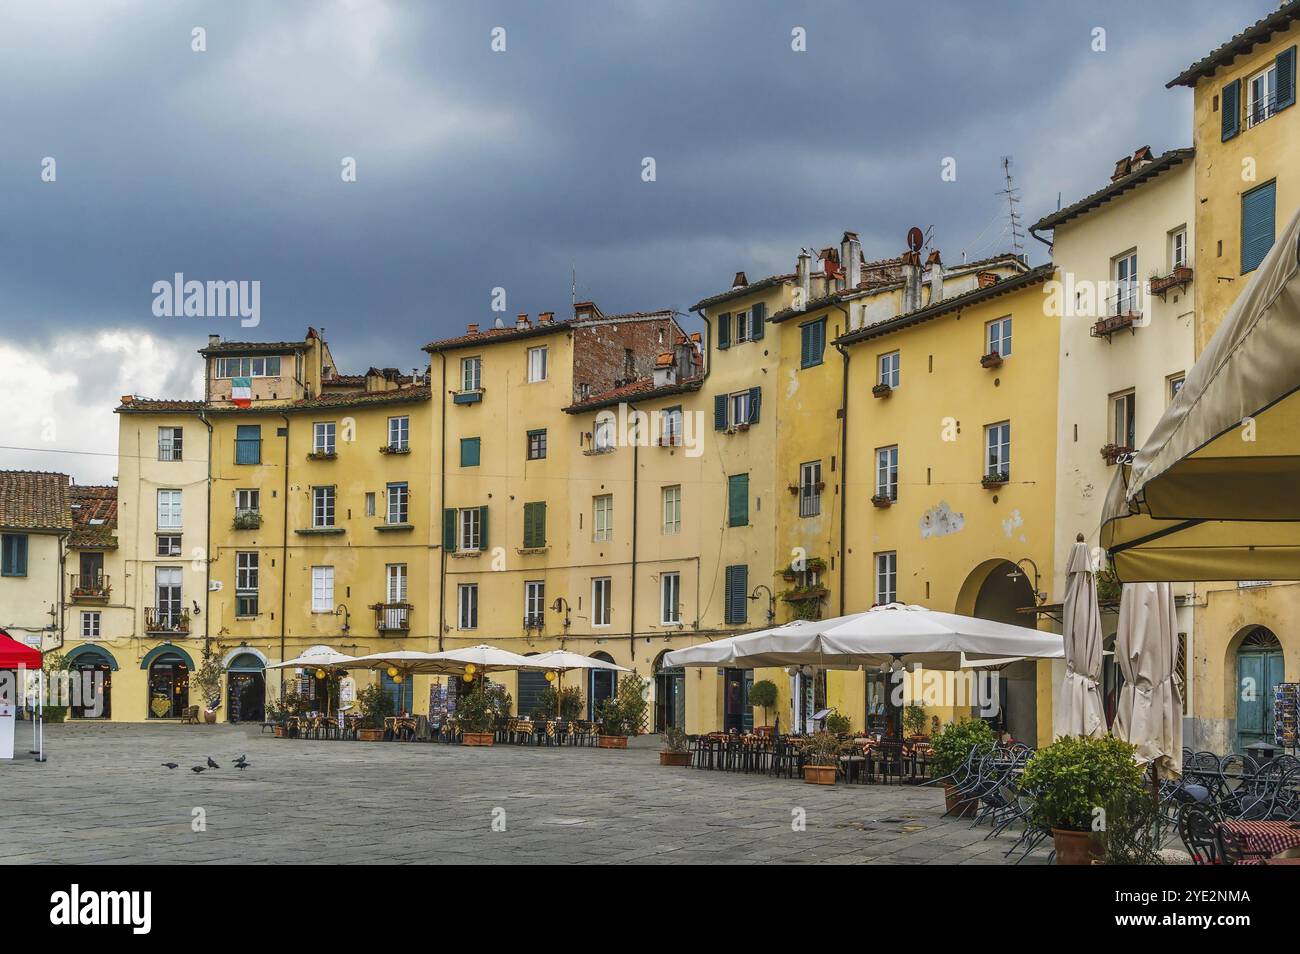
1286 707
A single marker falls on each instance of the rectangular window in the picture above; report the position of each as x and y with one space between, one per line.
169 544
601 593
467 606
536 365
248 500
534 604
170 443
672 509
1176 382
670 427
248 367
248 444
997 339
602 518
740 407
90 624
470 534
1127 284
603 433
537 444
1261 95
1123 411
322 589
1258 213
738 500
997 445
471 374
812 343
13 554
535 524
246 566
399 433
169 510
370 503
887 472
398 503
322 506
810 489
1178 254
670 599
736 608
323 438
886 578
167 589
396 577
887 369
469 451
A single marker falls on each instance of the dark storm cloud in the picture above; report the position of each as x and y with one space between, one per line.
478 169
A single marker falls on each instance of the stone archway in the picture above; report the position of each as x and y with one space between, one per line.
995 590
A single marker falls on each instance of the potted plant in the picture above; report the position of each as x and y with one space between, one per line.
763 694
624 714
376 705
207 681
1071 782
821 758
59 669
676 750
569 703
915 722
837 723
881 390
951 746
993 481
478 711
990 360
882 500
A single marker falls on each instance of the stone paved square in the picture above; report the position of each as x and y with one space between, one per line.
104 797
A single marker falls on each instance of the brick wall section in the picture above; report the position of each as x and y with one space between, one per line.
599 351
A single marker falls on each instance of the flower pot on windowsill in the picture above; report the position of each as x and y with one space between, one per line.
322 455
1113 453
679 759
1076 847
370 735
819 774
882 500
477 738
390 449
612 741
881 391
991 360
994 481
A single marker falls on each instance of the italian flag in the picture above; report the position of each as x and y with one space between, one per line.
241 391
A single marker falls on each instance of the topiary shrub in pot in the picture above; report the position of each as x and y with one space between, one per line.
763 695
477 712
821 758
677 748
951 747
570 703
1071 782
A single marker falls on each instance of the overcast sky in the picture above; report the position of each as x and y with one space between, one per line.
477 169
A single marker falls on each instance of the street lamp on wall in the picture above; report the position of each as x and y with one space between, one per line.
342 610
1015 574
771 601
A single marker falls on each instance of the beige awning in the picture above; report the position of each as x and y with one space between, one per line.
1212 494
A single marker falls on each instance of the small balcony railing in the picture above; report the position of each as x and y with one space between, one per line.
167 621
247 519
392 617
89 586
534 621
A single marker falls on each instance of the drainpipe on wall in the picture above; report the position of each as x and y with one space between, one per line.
284 548
207 549
631 623
844 469
1049 245
442 499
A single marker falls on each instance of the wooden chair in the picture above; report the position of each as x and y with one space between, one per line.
190 715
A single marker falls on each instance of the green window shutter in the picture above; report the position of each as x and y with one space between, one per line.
755 402
1285 79
738 500
757 319
720 412
469 451
482 528
1230 110
449 529
535 524
1257 225
724 330
737 603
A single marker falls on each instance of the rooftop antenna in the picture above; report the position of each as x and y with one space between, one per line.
1013 213
573 286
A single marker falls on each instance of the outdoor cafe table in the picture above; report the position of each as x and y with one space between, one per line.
1267 837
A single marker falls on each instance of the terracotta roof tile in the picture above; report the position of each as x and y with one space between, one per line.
1150 170
1261 31
34 500
641 390
94 517
342 399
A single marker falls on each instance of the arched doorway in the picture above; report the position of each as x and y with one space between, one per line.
92 668
601 684
670 695
1259 670
995 590
528 692
169 686
245 688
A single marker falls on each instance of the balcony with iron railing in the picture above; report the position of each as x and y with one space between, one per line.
392 618
166 621
1123 310
89 587
534 621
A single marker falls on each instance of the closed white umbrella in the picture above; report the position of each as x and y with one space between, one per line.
1081 710
1150 712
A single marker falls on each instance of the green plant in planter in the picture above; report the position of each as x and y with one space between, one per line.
625 713
954 742
206 680
823 748
676 740
763 695
1072 781
570 702
375 704
479 709
837 723
60 672
914 720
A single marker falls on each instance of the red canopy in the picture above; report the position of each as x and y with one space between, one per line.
14 654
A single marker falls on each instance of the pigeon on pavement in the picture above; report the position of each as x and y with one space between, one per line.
242 765
170 765
212 764
198 769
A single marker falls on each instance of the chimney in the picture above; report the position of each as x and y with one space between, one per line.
1141 157
936 276
684 357
665 372
851 259
214 340
522 322
473 327
545 317
128 398
1122 168
831 270
986 279
803 273
911 269
740 281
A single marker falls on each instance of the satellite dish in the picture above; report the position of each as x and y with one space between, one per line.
915 239
499 323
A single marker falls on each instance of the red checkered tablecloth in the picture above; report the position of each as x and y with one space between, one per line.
1267 837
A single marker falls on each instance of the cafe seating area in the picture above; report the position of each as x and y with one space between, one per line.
866 760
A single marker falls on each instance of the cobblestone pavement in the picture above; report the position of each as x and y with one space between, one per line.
103 797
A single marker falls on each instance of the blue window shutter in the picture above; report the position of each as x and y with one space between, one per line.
720 412
1230 106
757 319
449 529
469 451
724 330
482 528
737 593
755 401
1257 225
1285 79
738 500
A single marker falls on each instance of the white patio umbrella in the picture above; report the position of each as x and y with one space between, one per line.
1082 713
485 658
409 661
318 657
561 661
1150 712
878 637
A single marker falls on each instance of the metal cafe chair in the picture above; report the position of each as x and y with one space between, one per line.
1197 828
